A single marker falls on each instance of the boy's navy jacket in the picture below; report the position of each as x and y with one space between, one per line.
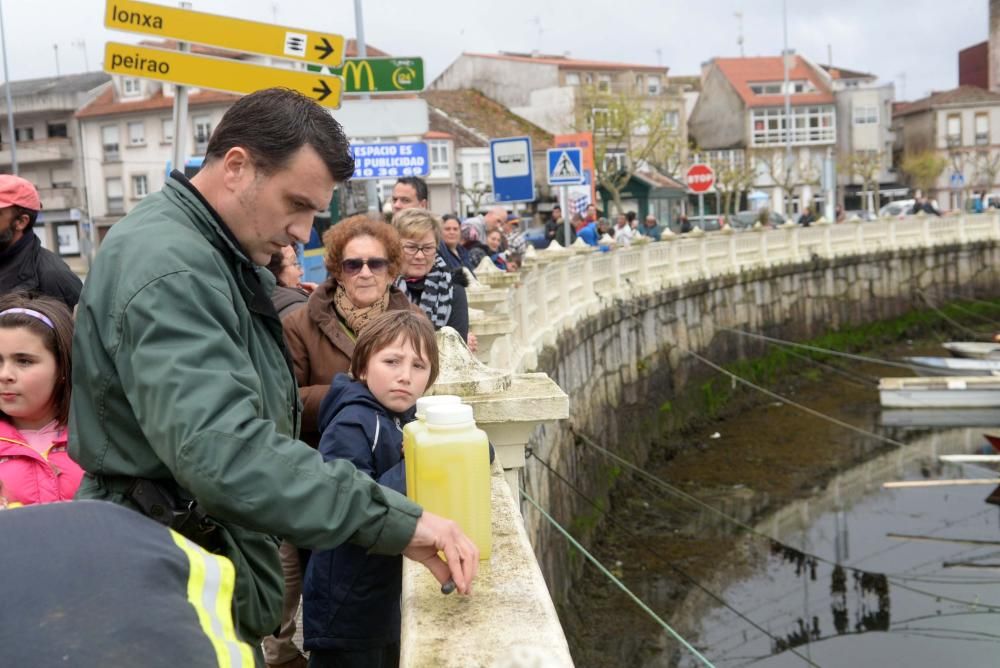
351 598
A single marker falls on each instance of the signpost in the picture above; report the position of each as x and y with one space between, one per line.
513 173
219 73
700 179
378 75
565 168
382 161
186 25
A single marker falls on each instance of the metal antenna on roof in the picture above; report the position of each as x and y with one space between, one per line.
82 44
739 34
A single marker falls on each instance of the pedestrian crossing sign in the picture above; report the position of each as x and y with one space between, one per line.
565 166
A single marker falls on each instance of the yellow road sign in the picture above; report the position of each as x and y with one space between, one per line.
186 25
219 73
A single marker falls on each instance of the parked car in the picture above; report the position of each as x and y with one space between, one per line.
536 237
859 214
898 209
744 220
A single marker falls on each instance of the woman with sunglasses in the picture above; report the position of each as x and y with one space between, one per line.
427 279
363 257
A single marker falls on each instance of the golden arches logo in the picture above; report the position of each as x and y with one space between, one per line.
357 69
402 77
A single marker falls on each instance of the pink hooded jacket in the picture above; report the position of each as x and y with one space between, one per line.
29 477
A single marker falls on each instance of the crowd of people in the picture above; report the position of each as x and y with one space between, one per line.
201 383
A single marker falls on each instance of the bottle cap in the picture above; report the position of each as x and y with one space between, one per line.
423 403
449 414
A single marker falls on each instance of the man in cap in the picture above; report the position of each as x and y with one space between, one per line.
24 264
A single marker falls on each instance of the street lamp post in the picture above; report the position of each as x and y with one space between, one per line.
10 105
785 57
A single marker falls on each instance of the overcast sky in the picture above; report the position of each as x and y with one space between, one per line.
915 39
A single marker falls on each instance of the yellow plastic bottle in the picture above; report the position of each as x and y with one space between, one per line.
452 471
410 428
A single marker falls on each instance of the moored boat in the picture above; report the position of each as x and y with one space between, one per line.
953 366
940 392
974 349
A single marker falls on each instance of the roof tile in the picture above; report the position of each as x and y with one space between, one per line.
741 72
483 115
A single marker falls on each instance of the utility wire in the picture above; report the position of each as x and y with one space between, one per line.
739 523
864 380
825 351
659 557
617 582
802 407
944 316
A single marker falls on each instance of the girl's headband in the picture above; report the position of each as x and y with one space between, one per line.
31 312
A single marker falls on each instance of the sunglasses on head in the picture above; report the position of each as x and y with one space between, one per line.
353 265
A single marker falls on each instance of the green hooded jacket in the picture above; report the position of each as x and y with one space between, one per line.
180 374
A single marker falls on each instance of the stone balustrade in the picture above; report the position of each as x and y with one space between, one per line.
510 620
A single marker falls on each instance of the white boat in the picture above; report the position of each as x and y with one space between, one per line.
940 417
974 349
953 366
940 392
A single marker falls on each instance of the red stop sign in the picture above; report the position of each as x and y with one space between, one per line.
700 178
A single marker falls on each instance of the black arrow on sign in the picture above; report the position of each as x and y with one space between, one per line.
325 90
325 48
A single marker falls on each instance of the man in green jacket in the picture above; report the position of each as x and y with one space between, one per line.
183 390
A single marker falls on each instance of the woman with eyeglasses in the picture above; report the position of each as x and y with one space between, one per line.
427 279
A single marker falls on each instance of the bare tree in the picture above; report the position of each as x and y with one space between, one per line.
959 161
629 133
733 178
866 165
791 175
987 168
475 194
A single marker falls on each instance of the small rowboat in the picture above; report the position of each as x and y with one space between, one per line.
973 349
953 366
940 392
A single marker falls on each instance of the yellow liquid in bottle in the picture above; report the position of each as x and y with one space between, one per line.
411 428
451 475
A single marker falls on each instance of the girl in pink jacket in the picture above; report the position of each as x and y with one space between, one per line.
36 336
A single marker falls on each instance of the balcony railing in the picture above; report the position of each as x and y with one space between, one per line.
42 150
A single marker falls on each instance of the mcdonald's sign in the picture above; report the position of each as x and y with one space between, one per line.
378 75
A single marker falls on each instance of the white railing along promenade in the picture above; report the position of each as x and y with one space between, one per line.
558 287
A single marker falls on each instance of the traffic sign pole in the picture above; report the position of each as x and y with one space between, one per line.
180 111
564 202
701 209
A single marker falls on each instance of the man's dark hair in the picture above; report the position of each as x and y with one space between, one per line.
449 216
273 124
416 183
630 216
30 213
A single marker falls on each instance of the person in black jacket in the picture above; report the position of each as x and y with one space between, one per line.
351 614
24 264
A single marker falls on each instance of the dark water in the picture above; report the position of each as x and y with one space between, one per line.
836 589
868 599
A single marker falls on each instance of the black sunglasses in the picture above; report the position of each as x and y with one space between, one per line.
353 265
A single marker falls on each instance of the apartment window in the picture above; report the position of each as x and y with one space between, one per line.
167 130
439 158
109 141
572 78
473 173
766 89
865 115
982 129
26 133
672 119
614 160
116 195
598 118
136 133
653 84
953 136
56 130
588 79
131 87
202 131
810 125
604 83
140 186
61 177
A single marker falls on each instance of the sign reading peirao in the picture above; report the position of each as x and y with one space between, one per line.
136 62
